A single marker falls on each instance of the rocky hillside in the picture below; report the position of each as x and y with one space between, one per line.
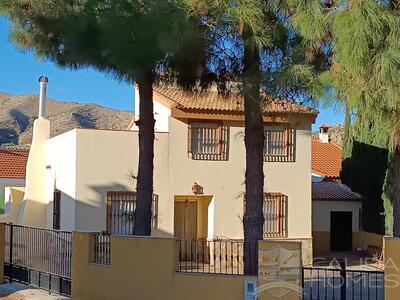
335 133
17 114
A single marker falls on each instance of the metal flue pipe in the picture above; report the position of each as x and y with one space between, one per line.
43 80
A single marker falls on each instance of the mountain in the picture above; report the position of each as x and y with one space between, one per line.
335 134
18 112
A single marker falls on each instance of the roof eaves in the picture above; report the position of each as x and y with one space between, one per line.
337 199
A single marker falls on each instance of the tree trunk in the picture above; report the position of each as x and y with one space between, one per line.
144 184
396 186
253 219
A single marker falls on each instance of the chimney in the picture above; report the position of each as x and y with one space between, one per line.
323 133
33 208
43 80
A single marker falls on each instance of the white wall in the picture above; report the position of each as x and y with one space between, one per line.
161 114
33 209
225 180
106 159
14 197
61 174
5 182
322 213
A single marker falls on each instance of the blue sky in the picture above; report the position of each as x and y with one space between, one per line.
19 73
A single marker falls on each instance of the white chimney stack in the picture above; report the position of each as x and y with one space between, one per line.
43 80
324 133
33 209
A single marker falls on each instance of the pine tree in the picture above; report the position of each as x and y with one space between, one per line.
363 37
129 40
253 45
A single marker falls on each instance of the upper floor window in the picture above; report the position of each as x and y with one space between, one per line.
279 144
208 141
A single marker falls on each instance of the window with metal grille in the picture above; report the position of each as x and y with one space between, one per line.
275 211
102 248
279 144
275 215
208 141
56 209
121 212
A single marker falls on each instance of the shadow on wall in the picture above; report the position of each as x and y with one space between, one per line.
365 173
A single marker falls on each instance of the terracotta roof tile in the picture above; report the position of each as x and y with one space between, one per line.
326 159
333 191
211 100
13 163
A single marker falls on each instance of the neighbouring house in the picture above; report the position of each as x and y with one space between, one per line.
336 217
326 157
84 179
12 173
337 210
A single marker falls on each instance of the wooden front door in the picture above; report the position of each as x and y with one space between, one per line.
185 228
185 220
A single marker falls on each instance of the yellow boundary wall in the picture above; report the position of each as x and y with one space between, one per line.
144 268
361 240
392 268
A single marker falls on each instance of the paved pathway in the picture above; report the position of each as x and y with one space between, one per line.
17 291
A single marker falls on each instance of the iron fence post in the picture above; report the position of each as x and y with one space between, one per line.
343 279
11 243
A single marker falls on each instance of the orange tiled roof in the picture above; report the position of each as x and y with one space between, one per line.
333 191
326 159
13 163
212 100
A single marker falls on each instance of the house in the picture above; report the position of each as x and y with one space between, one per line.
337 215
12 173
84 179
326 157
337 210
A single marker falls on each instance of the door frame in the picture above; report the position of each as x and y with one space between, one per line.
204 211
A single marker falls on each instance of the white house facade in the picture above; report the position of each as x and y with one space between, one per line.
87 176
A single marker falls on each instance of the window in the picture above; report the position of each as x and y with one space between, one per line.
279 144
208 141
56 209
275 211
275 215
121 212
